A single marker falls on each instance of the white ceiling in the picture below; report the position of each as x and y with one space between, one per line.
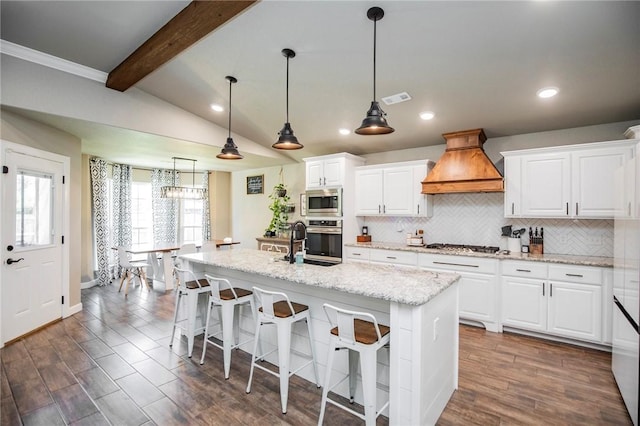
475 64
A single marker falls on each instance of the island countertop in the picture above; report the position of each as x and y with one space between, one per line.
408 286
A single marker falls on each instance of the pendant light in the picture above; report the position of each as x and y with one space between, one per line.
230 150
184 192
375 122
287 139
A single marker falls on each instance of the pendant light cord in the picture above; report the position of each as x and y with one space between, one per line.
230 83
287 88
375 21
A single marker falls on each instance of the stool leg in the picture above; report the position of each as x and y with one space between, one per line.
354 357
192 307
313 352
175 317
284 356
368 362
327 380
254 357
206 332
227 335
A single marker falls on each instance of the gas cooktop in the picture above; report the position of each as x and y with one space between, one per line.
463 248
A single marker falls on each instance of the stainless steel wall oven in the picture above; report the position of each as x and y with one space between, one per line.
324 240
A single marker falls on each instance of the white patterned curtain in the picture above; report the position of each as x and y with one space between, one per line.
165 210
206 220
100 216
121 199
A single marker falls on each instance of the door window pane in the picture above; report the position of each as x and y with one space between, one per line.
34 209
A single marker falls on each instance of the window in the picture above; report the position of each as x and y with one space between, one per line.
191 221
141 213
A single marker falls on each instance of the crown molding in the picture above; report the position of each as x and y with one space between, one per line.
44 59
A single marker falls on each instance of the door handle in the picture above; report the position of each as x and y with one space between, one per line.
10 261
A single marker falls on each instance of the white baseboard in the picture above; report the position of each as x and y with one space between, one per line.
73 310
88 284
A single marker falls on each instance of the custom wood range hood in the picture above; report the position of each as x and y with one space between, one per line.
464 166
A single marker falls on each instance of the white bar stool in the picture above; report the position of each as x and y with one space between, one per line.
363 338
276 308
227 299
190 287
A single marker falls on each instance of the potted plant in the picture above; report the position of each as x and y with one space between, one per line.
280 210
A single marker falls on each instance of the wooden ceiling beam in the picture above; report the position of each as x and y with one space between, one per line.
193 22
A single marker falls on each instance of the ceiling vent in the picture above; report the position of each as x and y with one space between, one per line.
397 98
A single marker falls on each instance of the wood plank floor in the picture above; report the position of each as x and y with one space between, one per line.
111 364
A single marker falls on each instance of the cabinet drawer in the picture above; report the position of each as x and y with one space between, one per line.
576 274
395 257
357 253
458 263
524 269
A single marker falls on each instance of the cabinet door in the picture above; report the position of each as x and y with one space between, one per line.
575 310
512 186
315 174
333 172
593 182
422 203
369 192
477 294
397 191
524 303
545 185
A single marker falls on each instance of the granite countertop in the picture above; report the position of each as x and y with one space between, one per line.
410 286
606 262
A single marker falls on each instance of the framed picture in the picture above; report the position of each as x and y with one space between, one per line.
303 204
255 184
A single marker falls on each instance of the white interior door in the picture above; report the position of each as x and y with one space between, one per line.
32 250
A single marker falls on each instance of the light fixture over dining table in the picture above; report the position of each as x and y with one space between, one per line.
184 192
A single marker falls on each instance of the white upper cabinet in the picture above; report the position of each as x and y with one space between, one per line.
325 173
574 181
392 190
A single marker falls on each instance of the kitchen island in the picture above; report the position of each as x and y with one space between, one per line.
420 372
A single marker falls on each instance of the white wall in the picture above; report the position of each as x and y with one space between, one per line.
251 214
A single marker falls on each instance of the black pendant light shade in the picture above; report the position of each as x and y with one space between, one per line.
287 139
375 122
230 150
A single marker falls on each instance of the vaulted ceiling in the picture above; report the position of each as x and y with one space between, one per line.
474 64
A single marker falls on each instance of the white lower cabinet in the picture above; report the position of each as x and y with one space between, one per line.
562 300
357 254
477 287
394 257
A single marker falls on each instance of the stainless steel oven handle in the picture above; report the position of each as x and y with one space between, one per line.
324 231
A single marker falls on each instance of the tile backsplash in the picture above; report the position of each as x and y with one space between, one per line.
478 218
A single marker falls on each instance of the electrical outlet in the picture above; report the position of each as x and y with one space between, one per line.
593 240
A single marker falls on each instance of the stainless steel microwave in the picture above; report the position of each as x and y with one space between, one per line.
324 202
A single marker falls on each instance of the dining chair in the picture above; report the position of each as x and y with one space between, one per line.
131 268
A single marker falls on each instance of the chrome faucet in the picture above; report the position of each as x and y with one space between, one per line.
294 228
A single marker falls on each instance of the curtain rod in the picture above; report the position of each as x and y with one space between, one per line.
144 168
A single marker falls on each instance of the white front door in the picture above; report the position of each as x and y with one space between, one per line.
32 250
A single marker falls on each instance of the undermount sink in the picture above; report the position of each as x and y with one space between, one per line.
315 262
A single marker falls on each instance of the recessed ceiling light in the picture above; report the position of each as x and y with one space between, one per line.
217 108
344 131
547 92
427 115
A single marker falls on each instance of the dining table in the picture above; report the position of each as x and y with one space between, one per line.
159 258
